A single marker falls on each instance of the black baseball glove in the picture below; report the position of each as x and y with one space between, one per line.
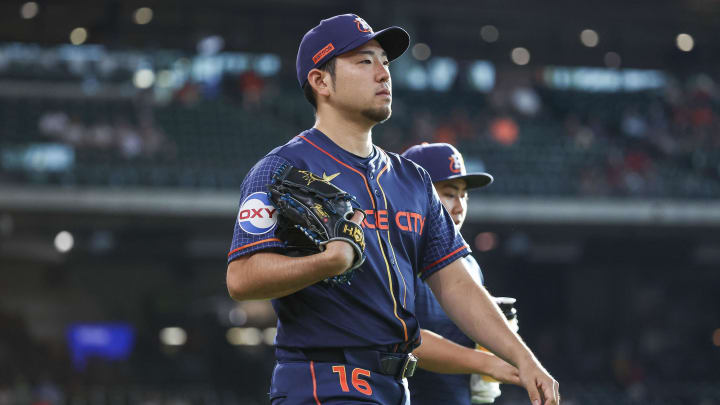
314 212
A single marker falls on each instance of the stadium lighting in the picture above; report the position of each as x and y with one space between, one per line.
143 78
78 36
143 15
417 77
173 336
489 33
237 316
269 336
421 51
589 38
482 75
64 241
520 56
210 45
685 42
244 336
612 60
29 10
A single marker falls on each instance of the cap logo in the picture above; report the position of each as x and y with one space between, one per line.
362 26
323 53
456 163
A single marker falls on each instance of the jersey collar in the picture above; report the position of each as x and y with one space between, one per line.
374 161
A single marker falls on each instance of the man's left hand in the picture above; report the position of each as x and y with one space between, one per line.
541 387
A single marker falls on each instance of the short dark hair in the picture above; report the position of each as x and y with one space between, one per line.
329 67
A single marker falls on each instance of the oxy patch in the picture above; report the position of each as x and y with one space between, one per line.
257 215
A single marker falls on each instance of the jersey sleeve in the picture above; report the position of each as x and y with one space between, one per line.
443 243
474 269
257 218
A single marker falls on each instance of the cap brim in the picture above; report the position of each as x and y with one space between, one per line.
474 180
394 40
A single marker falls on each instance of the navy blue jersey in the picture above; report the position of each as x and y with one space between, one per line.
408 233
433 388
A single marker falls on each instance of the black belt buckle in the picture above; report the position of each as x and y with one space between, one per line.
409 365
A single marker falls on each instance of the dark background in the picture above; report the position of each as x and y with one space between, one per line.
620 302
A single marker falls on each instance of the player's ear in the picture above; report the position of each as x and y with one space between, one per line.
320 81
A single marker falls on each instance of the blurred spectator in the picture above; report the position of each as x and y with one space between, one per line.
101 136
526 101
74 133
423 127
53 124
504 130
189 94
252 86
445 134
465 127
633 124
583 136
129 141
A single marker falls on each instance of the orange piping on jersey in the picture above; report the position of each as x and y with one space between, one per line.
388 232
253 244
446 256
390 283
312 372
367 186
372 200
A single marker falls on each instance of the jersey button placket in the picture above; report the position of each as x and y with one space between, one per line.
391 260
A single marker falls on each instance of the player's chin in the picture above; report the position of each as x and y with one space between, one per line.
378 114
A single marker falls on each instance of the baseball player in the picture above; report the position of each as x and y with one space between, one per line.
446 167
346 323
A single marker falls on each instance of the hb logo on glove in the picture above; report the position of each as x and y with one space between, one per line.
354 231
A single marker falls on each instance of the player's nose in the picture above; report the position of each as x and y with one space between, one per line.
458 207
382 73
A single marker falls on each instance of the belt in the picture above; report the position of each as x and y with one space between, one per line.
399 365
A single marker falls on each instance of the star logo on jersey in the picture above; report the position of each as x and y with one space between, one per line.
310 177
329 178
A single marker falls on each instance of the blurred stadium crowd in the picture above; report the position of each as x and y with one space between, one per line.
536 139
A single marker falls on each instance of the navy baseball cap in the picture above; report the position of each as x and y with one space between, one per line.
444 162
340 34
